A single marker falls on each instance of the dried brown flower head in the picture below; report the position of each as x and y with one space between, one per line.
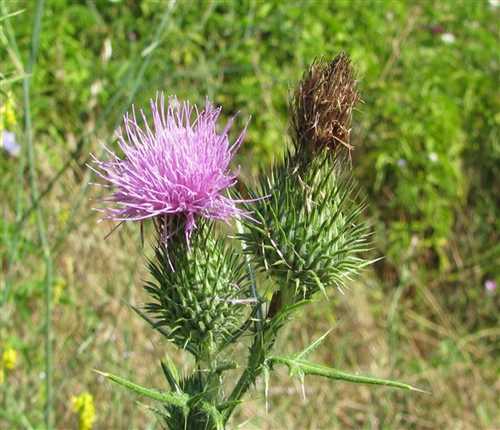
322 105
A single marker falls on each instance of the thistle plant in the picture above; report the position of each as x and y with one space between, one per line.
300 227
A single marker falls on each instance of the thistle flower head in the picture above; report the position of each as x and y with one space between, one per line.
174 168
322 105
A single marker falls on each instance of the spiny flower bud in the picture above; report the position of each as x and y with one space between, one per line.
322 106
309 235
197 290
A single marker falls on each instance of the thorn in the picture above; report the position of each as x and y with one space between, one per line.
419 390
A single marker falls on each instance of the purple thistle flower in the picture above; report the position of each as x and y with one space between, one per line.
175 169
490 286
8 139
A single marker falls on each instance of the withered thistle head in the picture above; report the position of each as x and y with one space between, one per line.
322 105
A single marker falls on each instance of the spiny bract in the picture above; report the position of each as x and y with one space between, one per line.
308 235
198 290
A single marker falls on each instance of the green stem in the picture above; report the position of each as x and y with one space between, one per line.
14 245
39 215
253 281
258 349
262 344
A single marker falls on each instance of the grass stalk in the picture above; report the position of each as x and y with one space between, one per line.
14 244
42 232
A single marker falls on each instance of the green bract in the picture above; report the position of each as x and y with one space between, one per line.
196 290
308 234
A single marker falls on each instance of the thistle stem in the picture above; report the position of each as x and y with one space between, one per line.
258 348
253 282
258 351
262 345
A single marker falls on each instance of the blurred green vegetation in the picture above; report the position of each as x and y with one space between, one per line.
427 157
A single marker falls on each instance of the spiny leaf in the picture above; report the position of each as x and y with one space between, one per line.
225 365
149 321
305 367
174 399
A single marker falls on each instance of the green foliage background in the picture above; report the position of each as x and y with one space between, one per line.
427 157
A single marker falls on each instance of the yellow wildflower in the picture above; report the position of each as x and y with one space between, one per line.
9 112
59 287
9 358
83 405
10 115
63 216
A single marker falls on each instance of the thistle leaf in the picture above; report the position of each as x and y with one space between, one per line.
144 316
301 367
282 316
225 365
174 399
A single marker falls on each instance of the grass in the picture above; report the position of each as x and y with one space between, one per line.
426 154
40 217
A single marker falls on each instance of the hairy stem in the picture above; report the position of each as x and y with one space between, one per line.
253 282
263 342
257 350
